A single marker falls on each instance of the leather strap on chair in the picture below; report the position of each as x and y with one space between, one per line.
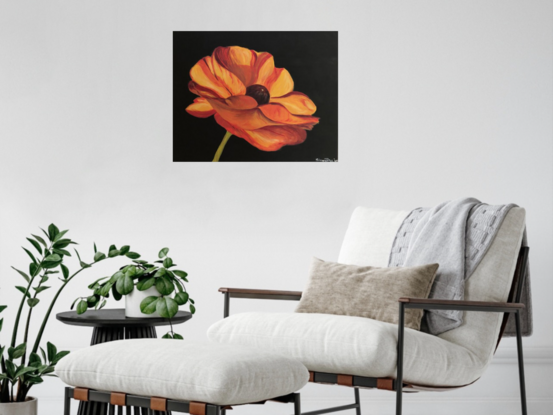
344 380
311 377
158 404
197 408
117 398
386 384
80 394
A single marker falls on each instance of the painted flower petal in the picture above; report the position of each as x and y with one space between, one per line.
240 61
201 91
297 103
236 112
200 108
271 138
279 83
281 115
264 68
209 75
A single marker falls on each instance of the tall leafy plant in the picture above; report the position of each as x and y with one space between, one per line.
24 362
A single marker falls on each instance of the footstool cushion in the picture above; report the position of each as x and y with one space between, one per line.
219 374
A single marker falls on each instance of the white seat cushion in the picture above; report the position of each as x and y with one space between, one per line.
351 345
176 369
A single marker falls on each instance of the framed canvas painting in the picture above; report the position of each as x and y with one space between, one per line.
255 96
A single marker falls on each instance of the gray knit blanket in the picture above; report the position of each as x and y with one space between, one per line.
457 235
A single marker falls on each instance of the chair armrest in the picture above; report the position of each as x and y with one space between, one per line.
261 294
435 304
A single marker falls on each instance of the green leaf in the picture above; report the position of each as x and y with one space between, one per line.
17 352
1 324
23 274
104 291
3 307
10 368
35 244
34 360
92 300
149 304
163 253
180 273
62 252
167 307
164 286
44 279
51 261
160 272
94 284
32 302
73 304
167 336
52 232
42 352
34 269
59 356
30 254
116 295
132 255
60 235
95 249
181 298
125 285
177 336
145 283
39 239
131 271
41 288
99 256
52 351
82 307
65 271
23 370
167 262
102 305
192 308
23 290
62 243
112 248
124 249
113 253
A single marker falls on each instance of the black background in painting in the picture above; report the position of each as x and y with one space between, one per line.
312 60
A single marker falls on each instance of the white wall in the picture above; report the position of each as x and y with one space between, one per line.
438 100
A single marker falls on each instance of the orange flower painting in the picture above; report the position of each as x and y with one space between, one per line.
253 100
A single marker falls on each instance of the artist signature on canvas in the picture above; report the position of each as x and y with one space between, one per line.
326 160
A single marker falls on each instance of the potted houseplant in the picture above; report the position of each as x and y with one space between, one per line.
154 289
24 363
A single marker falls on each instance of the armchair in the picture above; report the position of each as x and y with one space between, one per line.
373 354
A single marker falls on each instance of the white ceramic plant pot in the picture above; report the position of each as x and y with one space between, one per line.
29 407
133 300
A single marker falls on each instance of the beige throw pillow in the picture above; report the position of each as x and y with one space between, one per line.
371 292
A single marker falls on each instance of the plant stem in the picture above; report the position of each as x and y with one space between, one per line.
47 315
222 146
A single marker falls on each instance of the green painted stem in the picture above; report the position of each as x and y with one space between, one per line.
222 146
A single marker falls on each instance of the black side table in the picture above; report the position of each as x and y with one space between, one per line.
111 324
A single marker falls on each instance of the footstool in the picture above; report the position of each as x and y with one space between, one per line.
181 376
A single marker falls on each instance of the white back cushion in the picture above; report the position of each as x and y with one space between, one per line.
369 239
370 235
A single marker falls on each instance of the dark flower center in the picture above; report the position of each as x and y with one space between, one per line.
259 93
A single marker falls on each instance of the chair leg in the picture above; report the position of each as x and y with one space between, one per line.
67 404
520 364
297 404
357 401
399 377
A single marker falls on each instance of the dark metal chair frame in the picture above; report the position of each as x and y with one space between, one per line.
144 405
512 306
